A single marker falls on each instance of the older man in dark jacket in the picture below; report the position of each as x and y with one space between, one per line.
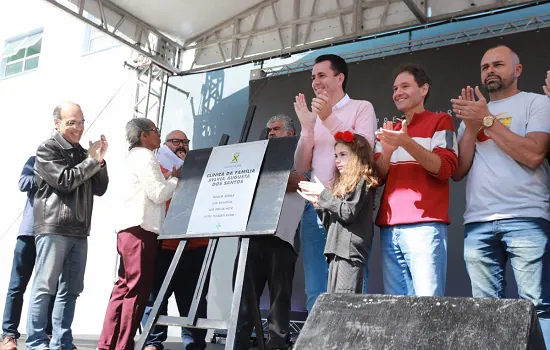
67 179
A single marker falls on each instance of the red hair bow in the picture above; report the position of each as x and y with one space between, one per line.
347 136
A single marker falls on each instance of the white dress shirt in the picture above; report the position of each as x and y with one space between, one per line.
144 192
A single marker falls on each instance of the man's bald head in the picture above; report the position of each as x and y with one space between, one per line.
178 143
500 69
176 134
65 108
506 50
69 121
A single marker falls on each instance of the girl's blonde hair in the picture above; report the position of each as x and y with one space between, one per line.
359 165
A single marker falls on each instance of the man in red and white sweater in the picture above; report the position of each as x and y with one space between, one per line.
416 157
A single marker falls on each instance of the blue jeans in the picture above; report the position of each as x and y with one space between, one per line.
60 265
313 238
24 256
183 283
414 258
525 241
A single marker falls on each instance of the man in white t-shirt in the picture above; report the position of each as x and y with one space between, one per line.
502 148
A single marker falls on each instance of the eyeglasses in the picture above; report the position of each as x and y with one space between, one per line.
157 130
73 122
177 142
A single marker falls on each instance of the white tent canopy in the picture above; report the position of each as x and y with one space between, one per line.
190 35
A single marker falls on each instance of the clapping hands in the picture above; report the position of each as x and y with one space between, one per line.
468 109
320 105
311 191
303 113
392 139
98 149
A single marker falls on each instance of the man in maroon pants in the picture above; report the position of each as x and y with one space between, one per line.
144 192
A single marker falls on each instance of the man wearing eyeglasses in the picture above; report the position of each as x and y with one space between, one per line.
171 155
174 150
67 178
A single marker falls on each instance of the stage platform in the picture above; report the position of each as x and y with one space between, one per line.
89 342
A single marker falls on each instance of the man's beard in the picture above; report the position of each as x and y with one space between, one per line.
497 85
180 149
181 153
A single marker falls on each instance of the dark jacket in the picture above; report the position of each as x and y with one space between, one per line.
67 181
349 222
27 184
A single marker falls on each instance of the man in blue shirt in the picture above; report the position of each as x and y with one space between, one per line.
23 264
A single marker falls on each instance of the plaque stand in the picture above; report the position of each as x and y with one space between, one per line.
263 220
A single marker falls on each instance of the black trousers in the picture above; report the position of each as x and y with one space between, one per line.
271 260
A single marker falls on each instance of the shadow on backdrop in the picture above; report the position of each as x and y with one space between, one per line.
217 115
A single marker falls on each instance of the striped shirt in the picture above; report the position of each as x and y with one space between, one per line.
412 194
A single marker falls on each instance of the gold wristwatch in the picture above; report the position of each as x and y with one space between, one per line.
488 121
